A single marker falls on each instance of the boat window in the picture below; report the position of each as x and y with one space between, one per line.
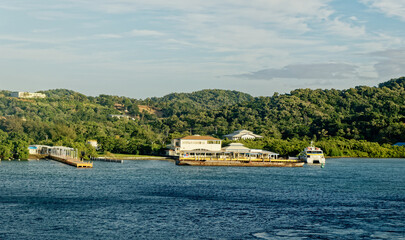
315 152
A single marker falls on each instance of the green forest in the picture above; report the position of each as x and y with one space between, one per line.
357 122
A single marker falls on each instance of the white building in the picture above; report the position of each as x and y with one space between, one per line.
93 143
39 149
242 134
33 149
235 151
121 116
27 95
42 149
194 143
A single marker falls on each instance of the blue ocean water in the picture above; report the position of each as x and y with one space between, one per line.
348 199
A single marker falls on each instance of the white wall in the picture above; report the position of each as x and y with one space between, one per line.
187 145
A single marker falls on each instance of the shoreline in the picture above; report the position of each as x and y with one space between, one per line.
170 158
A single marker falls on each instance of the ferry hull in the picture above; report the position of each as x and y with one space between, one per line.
318 160
237 163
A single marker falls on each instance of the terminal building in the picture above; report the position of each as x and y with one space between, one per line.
27 95
209 148
195 142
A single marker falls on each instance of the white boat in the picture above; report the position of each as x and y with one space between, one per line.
312 155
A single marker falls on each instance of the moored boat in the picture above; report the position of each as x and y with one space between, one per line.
312 155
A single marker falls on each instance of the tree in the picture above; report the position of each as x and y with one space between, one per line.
5 151
20 150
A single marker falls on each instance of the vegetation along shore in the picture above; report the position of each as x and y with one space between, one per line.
357 122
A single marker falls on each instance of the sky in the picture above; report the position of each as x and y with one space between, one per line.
148 48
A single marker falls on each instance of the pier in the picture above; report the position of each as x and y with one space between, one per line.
59 153
68 156
72 162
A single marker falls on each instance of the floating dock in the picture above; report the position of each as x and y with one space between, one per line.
72 161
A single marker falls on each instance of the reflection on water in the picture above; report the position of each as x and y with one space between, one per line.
348 199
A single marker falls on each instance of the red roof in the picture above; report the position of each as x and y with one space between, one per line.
194 137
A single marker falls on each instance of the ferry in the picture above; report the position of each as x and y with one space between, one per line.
312 155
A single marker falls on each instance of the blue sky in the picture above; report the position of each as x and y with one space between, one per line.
146 48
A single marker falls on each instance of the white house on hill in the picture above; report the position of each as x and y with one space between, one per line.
194 143
27 95
242 134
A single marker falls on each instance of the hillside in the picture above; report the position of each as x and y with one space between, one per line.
178 103
68 118
369 113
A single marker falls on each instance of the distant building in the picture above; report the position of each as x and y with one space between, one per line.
121 116
401 144
27 95
242 134
194 143
93 143
233 152
32 149
39 149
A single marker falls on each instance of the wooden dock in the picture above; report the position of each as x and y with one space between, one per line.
72 161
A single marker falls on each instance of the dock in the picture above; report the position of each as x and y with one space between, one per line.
72 161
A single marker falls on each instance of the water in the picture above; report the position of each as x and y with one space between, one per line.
348 199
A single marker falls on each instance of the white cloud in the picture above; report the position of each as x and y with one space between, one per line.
391 8
16 52
306 71
353 18
8 7
109 36
44 30
230 35
145 33
391 63
341 28
13 38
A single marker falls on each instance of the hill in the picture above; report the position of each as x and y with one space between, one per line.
208 99
69 118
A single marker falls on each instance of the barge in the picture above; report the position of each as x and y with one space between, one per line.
240 163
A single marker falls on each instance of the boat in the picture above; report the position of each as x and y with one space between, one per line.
312 155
